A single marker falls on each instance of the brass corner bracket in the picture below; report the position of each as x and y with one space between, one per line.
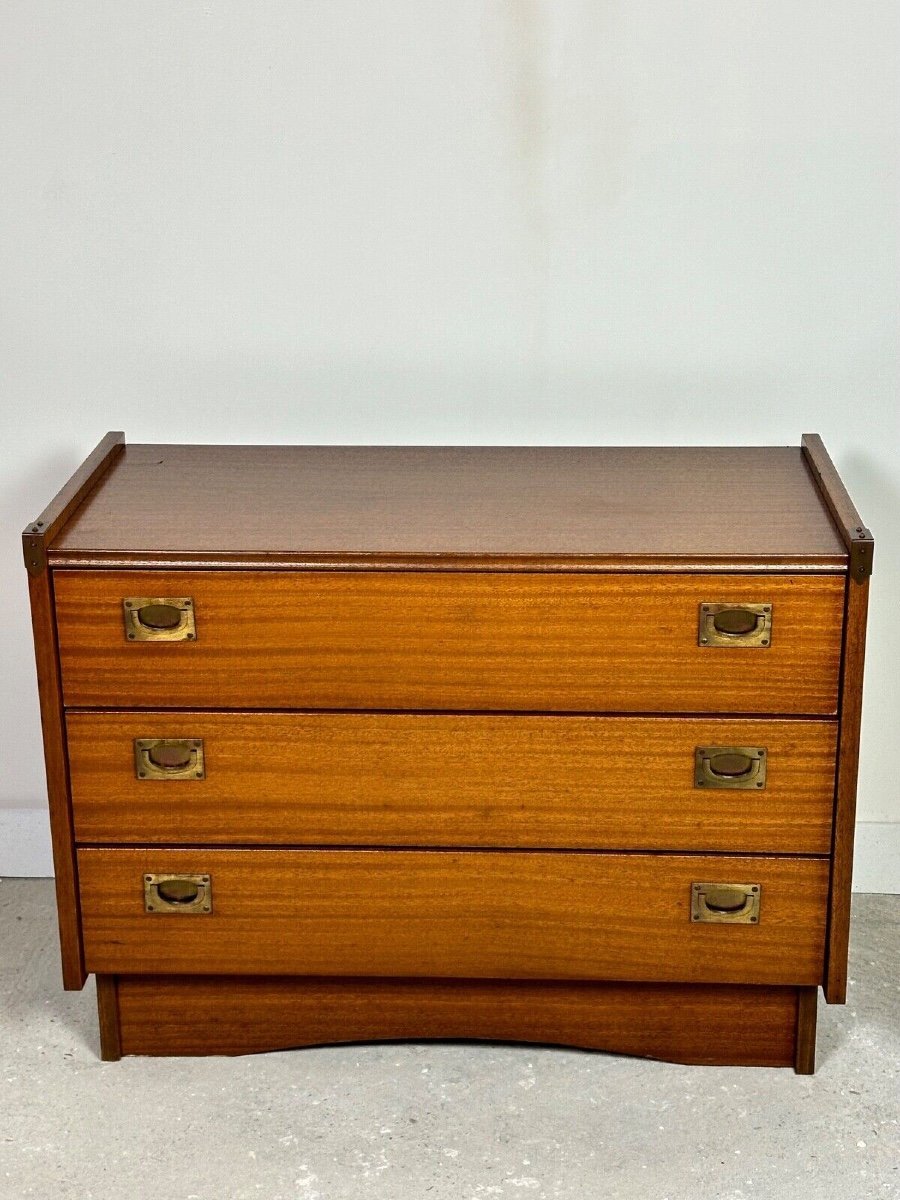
34 548
862 553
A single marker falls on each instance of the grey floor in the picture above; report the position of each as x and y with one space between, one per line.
437 1121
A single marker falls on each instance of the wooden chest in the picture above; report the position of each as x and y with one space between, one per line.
551 745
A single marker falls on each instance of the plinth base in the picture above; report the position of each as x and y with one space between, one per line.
684 1023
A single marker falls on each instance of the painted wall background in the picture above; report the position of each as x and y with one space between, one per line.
562 221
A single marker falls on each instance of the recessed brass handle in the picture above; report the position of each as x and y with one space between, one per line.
726 903
159 619
178 894
740 767
735 624
169 758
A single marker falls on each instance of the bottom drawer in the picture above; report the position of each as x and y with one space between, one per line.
474 914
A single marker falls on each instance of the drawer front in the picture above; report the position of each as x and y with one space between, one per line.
475 914
445 640
437 780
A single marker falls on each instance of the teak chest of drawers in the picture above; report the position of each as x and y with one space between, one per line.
552 745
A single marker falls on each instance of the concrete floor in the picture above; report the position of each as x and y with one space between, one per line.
437 1121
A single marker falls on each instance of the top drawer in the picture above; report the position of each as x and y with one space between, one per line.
450 640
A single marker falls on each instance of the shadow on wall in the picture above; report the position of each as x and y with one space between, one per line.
375 399
877 495
26 488
26 495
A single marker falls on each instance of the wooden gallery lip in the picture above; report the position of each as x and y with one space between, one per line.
427 736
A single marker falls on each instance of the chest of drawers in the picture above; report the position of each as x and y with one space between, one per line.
551 745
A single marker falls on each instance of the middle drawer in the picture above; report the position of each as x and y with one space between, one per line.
381 779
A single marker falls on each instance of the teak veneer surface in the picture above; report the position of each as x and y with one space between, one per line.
471 914
441 503
474 641
404 780
845 806
747 1026
487 651
40 587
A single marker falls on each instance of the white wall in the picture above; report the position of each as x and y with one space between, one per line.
563 221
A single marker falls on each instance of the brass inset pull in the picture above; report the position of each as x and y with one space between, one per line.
178 894
735 624
725 903
159 619
730 767
169 758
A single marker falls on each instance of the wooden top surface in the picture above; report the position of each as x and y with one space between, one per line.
521 507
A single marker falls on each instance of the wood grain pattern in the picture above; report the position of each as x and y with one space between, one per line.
435 780
440 503
723 1025
845 798
40 588
390 640
473 914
